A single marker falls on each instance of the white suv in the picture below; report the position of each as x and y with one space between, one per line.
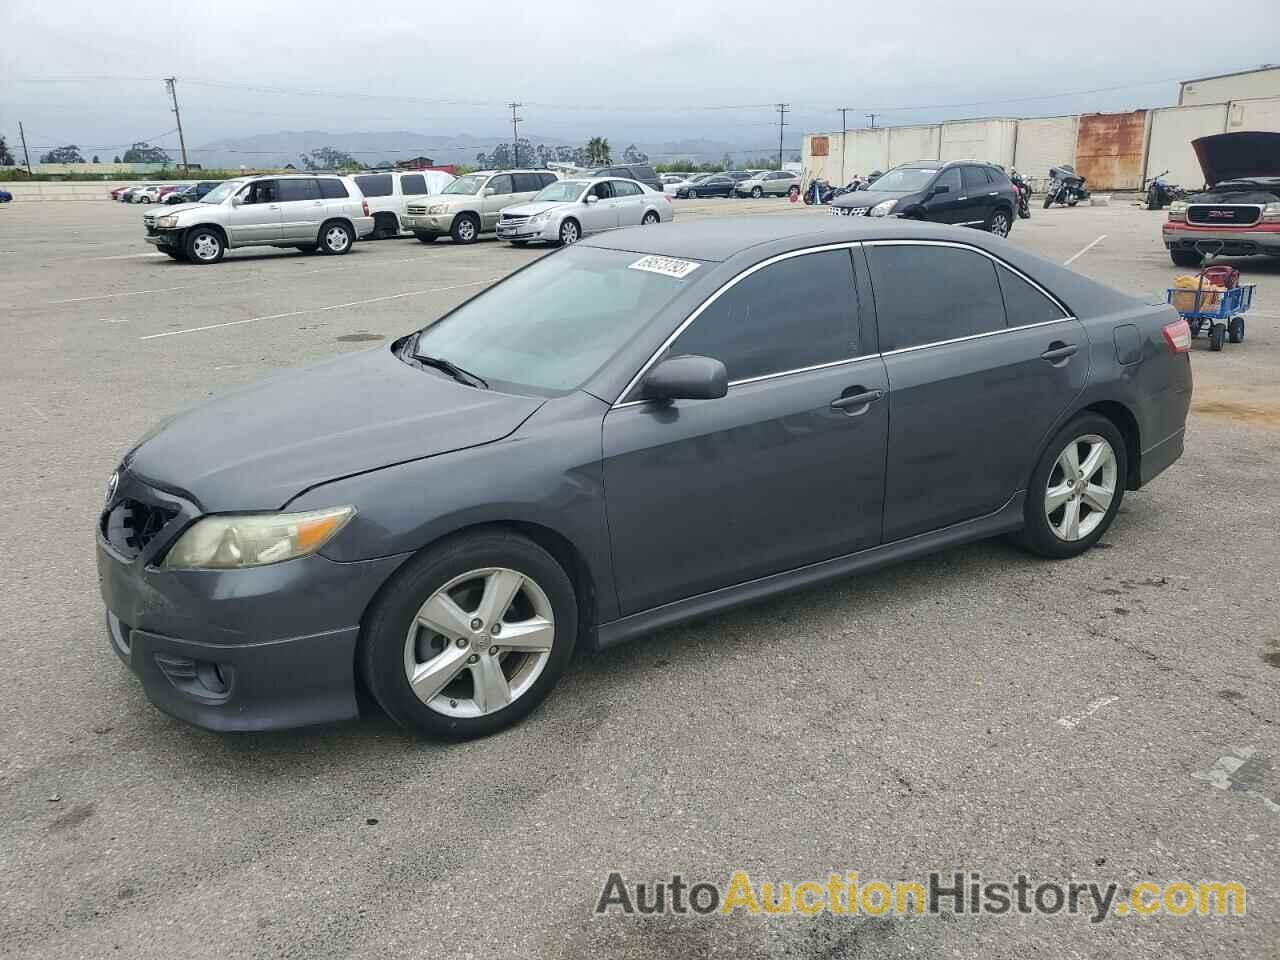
390 192
325 213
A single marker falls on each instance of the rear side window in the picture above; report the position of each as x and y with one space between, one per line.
644 173
930 294
546 179
626 188
501 184
375 184
1023 303
998 176
975 179
333 189
302 188
527 182
412 184
796 313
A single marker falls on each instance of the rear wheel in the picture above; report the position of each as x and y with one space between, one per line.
1235 330
385 226
470 636
1217 336
1048 199
1076 489
335 238
999 223
1185 258
650 218
465 228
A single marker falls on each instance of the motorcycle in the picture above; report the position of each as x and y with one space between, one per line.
1161 194
1065 187
1024 194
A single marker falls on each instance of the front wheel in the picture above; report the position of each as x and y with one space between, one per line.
204 246
570 233
1185 258
756 193
1217 336
465 229
1048 200
693 195
1153 200
1076 488
470 636
1235 330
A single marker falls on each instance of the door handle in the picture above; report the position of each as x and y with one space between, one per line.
1059 351
850 402
962 198
993 193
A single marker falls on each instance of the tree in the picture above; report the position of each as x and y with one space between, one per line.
598 151
117 159
143 152
67 154
329 158
95 159
6 158
634 154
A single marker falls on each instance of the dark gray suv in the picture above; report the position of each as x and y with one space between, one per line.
655 424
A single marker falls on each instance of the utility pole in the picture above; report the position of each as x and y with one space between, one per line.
872 118
783 110
515 133
172 84
844 139
25 156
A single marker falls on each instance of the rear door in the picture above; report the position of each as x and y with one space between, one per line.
979 196
491 205
980 364
703 494
629 199
301 208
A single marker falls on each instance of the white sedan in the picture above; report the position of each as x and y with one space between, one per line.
566 211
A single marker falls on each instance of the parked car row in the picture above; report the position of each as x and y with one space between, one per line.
736 183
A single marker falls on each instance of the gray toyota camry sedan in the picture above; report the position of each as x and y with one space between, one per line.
652 425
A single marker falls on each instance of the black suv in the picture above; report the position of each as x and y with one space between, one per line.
964 192
629 171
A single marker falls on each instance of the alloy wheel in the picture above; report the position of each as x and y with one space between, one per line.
466 230
1081 487
337 239
479 642
568 232
206 247
650 218
1000 224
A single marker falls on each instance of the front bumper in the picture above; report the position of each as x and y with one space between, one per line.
1261 238
163 238
439 223
256 649
545 230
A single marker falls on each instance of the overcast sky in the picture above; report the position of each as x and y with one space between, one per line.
632 72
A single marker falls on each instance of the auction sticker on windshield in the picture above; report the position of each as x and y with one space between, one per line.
667 266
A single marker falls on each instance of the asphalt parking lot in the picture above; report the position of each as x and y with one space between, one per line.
1108 718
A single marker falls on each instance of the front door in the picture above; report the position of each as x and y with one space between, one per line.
602 214
703 494
946 207
497 195
972 394
256 219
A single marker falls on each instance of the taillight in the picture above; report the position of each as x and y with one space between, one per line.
364 205
1178 336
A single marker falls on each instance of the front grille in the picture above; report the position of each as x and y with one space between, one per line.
1224 214
416 210
131 524
514 218
149 220
849 211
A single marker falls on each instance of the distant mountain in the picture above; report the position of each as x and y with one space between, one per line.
286 146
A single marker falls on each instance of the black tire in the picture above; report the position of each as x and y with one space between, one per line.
1195 327
1235 330
465 229
1153 200
427 237
1073 201
570 232
1217 336
385 630
204 245
693 195
756 193
1185 258
385 226
1048 199
1036 535
1000 222
336 238
650 218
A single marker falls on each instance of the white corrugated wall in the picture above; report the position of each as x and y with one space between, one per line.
1169 142
914 143
1043 143
1254 115
988 140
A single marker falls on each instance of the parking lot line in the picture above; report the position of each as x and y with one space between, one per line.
335 306
1080 253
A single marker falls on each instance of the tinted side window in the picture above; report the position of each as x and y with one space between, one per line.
527 182
546 179
375 184
1023 303
644 173
263 191
975 180
626 188
333 189
412 184
928 294
949 178
796 313
603 190
500 184
302 188
998 176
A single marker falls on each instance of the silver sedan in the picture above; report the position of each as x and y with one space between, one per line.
568 210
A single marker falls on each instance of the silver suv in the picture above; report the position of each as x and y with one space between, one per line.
472 204
325 213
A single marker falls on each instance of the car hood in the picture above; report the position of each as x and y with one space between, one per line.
172 208
532 209
1237 156
868 198
259 446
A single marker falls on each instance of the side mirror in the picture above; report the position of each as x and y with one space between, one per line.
489 191
939 191
687 378
591 198
237 200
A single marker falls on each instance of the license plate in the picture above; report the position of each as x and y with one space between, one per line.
410 221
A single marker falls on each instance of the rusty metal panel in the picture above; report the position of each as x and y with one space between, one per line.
1109 150
819 146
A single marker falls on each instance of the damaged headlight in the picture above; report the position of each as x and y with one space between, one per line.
1178 210
883 209
232 541
167 223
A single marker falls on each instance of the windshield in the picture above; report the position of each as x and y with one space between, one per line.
222 191
469 185
905 180
561 190
552 325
